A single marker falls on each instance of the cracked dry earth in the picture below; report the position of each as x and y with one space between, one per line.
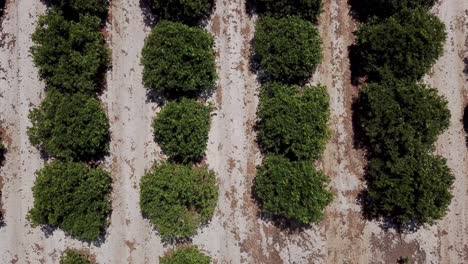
236 234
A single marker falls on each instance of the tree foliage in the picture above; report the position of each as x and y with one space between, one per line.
185 255
2 7
385 8
178 198
307 9
185 11
181 130
71 55
72 256
292 189
399 118
293 120
75 8
287 49
178 59
404 46
73 197
73 127
411 190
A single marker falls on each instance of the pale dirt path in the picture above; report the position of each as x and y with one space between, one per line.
448 241
130 238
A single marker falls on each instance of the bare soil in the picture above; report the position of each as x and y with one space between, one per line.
237 233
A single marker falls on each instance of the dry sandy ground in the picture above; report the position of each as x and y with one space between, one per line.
237 234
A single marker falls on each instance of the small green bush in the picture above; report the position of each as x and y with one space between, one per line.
411 190
181 129
307 9
178 59
404 46
73 127
178 199
186 11
293 120
385 8
71 56
287 49
73 197
75 8
72 256
399 118
292 189
185 255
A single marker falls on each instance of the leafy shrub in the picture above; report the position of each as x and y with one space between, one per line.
178 59
293 120
185 255
72 197
178 198
292 189
73 256
71 127
386 8
71 56
185 11
404 46
287 49
399 118
411 190
308 9
181 129
75 8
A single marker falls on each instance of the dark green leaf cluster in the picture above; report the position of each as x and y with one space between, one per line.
75 8
72 256
73 197
287 49
185 255
401 118
406 183
189 12
294 190
178 59
72 127
181 130
385 8
293 120
307 9
412 190
71 55
178 198
404 46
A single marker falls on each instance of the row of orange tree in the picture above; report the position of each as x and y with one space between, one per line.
70 126
180 195
292 126
399 116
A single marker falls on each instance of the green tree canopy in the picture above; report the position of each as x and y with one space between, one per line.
186 11
404 46
75 8
292 189
73 127
400 117
293 120
287 49
178 198
73 256
71 55
307 9
411 190
181 129
73 197
185 255
178 59
385 8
